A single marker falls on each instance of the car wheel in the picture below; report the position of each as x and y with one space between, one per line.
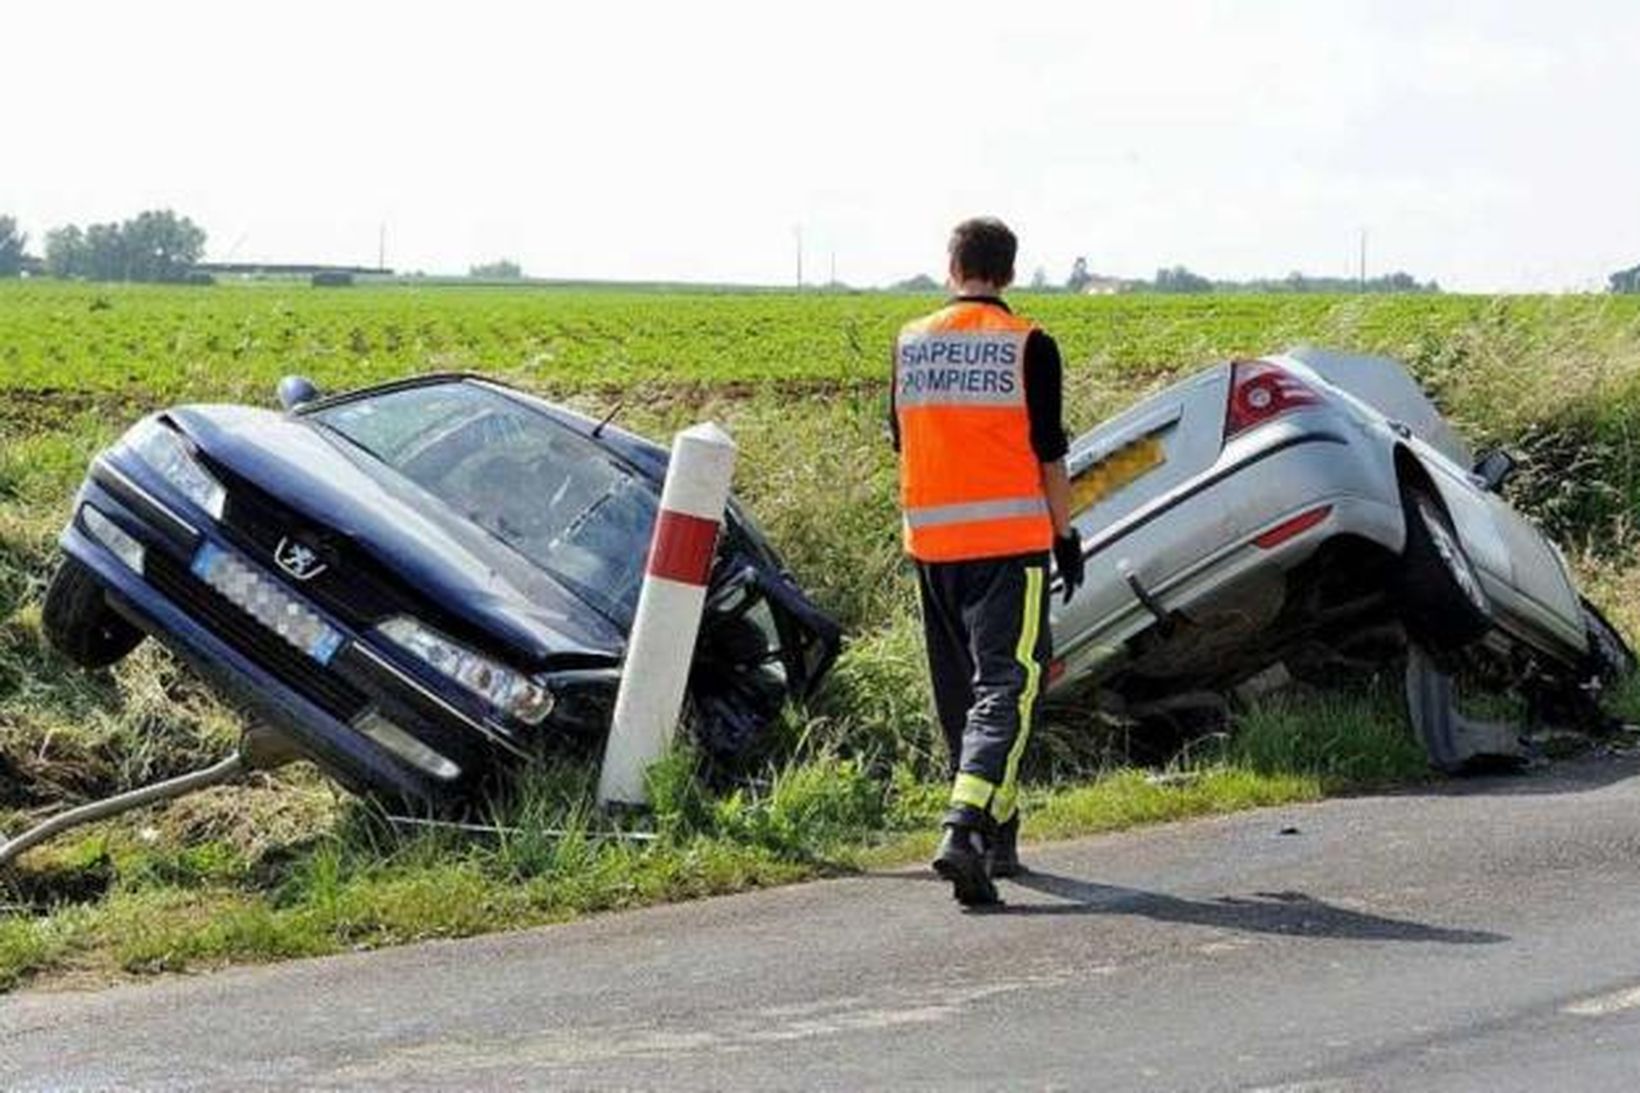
1455 744
1442 604
78 622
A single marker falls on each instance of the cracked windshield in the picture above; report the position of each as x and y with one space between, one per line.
550 495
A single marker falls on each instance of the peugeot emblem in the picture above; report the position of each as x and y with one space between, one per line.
298 559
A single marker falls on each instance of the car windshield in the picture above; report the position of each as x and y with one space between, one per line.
552 495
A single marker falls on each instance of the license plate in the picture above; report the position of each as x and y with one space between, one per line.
267 601
1119 468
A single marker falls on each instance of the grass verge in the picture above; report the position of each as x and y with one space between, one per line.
173 907
158 896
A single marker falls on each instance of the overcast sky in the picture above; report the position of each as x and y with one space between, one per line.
1491 146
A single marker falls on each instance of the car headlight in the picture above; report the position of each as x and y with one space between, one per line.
163 449
508 691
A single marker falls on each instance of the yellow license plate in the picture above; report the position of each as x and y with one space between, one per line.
1116 470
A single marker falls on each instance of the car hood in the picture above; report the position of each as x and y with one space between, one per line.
462 570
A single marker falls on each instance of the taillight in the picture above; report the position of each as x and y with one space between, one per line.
1260 391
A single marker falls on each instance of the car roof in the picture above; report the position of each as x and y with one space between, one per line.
646 457
425 379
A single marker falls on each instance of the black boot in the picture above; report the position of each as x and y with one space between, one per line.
1003 853
961 860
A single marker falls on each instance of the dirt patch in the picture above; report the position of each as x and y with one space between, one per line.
34 776
268 812
39 890
28 411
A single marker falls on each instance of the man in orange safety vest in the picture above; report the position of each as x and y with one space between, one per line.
977 420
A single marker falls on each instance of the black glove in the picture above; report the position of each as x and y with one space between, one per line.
1068 560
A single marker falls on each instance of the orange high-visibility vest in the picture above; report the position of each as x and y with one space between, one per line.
970 482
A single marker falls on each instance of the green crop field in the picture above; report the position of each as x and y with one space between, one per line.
285 866
167 342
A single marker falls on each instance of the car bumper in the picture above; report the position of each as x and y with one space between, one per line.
1203 541
318 709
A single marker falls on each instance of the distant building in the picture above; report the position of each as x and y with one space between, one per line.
920 283
1099 285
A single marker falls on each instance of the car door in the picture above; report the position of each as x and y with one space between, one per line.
1473 517
1548 599
1523 573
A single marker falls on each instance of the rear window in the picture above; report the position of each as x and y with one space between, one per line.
555 497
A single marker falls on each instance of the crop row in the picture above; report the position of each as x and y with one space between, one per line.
189 342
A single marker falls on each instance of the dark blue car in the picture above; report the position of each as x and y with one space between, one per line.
416 585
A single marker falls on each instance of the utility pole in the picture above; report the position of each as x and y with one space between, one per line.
797 233
1361 269
833 281
381 246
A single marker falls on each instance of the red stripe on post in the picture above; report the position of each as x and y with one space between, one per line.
683 548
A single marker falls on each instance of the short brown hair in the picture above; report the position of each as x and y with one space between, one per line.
983 249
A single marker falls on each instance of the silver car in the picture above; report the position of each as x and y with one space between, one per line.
1304 512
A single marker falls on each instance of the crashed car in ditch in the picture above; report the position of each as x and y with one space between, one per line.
416 584
1306 513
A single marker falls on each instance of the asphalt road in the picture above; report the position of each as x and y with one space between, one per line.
1478 937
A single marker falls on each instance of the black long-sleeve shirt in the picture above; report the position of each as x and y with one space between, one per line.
1044 390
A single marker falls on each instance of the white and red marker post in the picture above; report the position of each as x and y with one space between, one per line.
667 622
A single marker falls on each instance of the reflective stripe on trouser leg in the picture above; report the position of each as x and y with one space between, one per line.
973 791
1006 801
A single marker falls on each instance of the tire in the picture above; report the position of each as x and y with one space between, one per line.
1454 743
1442 603
78 622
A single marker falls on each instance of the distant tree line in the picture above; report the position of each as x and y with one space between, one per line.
1398 281
13 247
1178 279
157 245
504 269
1625 280
920 283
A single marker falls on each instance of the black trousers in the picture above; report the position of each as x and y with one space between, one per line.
985 623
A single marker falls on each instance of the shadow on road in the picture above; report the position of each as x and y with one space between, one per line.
1288 913
1579 774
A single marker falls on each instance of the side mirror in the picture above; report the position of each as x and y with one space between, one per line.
296 390
1494 468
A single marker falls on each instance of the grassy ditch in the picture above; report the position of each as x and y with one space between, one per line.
157 896
286 866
